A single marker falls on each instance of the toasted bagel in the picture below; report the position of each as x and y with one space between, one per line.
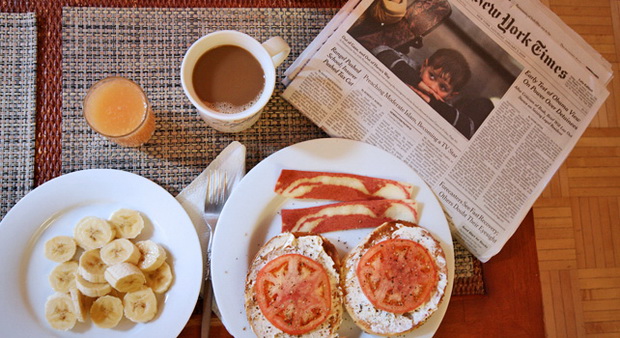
288 272
404 273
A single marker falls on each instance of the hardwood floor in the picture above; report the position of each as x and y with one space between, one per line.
578 215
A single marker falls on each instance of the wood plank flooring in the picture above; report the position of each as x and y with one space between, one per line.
577 217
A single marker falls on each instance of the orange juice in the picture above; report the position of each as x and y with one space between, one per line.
118 109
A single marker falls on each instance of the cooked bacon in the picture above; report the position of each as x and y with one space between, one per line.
339 186
348 215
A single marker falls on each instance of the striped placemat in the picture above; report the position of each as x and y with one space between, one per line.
147 45
18 52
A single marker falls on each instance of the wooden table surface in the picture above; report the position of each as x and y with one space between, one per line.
513 303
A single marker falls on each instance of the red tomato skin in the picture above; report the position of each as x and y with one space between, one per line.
294 291
397 268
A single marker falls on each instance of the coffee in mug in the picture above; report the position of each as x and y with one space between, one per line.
229 77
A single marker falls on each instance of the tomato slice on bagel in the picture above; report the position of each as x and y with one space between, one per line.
397 275
293 292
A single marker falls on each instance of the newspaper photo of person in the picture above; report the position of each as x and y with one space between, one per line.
439 69
437 80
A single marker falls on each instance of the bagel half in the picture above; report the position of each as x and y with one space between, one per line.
389 301
290 271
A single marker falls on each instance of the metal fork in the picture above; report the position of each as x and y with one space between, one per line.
216 195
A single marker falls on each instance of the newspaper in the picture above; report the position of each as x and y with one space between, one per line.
487 129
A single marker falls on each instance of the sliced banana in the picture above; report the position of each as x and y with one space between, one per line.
127 222
159 279
62 277
59 311
107 311
106 271
80 304
153 255
92 267
60 248
140 306
93 232
125 277
120 250
91 289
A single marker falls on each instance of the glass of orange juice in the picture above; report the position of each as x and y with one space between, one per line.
118 109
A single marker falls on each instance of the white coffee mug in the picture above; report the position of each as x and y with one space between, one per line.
270 54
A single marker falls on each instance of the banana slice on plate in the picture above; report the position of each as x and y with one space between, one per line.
91 266
59 311
125 277
120 250
93 232
91 289
159 279
153 255
60 248
112 276
140 306
80 304
62 277
128 223
107 311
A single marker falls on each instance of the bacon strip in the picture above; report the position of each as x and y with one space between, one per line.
348 215
339 186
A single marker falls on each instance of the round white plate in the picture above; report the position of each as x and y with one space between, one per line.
251 217
53 209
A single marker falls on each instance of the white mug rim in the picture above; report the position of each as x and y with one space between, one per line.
241 40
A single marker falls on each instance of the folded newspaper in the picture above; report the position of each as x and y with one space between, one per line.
483 98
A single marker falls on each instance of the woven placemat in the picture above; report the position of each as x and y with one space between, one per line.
147 45
18 52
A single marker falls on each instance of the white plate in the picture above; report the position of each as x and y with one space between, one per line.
53 209
251 217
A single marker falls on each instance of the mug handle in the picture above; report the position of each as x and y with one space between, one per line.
278 49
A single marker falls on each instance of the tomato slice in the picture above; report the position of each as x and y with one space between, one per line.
397 275
294 293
